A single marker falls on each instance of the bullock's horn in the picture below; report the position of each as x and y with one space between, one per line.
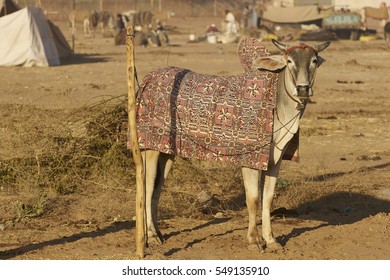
322 46
279 45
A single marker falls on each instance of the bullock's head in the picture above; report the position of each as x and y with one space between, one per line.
299 63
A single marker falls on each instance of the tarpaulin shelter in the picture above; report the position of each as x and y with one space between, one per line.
28 38
375 18
298 14
356 5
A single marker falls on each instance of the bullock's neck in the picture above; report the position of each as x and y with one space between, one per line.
286 117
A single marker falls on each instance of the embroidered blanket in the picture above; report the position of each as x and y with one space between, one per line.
207 117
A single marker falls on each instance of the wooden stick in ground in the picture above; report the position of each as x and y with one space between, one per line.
73 23
140 184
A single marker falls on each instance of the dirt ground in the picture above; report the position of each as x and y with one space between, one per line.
334 204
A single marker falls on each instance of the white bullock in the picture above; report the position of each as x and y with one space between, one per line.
296 68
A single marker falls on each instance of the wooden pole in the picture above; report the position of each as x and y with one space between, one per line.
140 184
73 23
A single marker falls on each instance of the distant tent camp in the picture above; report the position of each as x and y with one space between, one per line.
28 38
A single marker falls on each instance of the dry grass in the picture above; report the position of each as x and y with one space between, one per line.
54 151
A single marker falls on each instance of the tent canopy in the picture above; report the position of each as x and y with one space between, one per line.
298 14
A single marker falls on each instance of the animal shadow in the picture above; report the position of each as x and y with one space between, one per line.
79 58
116 227
340 208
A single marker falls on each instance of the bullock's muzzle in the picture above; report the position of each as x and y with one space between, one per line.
303 91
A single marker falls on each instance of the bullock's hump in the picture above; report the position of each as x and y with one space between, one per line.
249 49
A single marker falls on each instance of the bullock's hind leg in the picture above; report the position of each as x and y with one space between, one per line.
269 181
165 162
150 162
251 183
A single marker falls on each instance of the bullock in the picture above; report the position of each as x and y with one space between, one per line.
248 120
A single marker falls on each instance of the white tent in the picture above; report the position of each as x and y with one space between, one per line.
26 39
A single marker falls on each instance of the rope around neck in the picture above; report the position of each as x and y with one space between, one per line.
285 126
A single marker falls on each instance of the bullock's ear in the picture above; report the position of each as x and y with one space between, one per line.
270 63
320 60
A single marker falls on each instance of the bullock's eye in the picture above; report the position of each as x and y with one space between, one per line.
315 61
289 61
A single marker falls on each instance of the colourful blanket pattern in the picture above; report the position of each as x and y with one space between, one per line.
228 119
222 118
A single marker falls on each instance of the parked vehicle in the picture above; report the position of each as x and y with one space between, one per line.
344 24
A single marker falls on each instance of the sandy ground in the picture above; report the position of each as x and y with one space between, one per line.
334 204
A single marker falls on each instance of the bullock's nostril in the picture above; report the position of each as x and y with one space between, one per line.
303 90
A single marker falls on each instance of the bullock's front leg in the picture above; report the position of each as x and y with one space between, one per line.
251 183
269 180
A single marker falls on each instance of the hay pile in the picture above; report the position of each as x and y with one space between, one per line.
62 150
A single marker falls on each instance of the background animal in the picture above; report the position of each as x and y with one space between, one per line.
387 34
91 21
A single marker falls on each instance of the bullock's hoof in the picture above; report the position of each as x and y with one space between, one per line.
274 247
155 238
257 246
